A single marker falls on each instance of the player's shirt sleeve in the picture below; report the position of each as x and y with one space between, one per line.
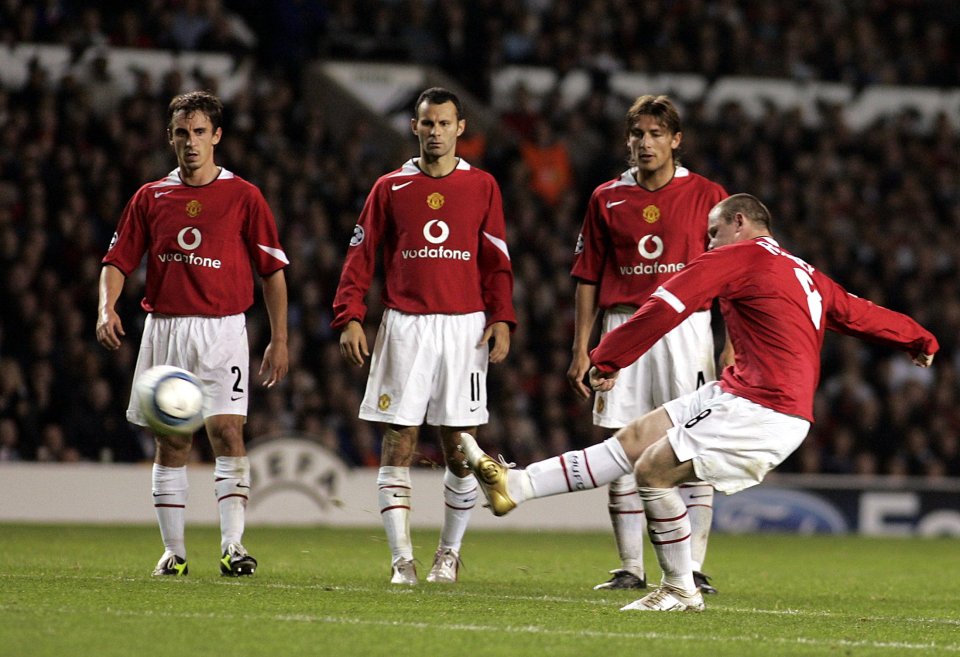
360 262
850 315
262 236
130 241
496 272
590 252
685 293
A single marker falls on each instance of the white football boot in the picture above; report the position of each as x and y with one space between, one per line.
404 572
446 566
667 598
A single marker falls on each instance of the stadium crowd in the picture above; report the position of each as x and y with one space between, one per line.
876 209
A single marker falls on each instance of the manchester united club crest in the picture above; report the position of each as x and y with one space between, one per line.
193 208
435 201
384 402
651 214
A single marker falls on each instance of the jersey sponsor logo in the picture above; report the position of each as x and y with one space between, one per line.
358 235
648 253
578 249
436 231
651 248
651 214
397 186
193 209
435 201
441 236
193 234
613 204
182 238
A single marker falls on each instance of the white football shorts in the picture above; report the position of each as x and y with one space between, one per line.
428 368
213 348
733 442
677 364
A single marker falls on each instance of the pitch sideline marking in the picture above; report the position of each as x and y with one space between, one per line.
528 629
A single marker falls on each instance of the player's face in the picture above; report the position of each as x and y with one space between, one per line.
193 138
651 144
720 231
437 128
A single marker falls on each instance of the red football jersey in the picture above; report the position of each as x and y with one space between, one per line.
776 308
444 247
634 239
202 244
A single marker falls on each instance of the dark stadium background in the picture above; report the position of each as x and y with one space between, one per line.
876 206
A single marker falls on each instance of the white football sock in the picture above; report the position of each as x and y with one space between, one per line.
669 528
594 466
394 488
459 497
629 522
232 486
170 501
699 500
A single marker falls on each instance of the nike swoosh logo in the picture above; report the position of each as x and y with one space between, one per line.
611 204
472 499
703 495
162 494
242 486
474 409
400 495
401 185
236 398
654 531
159 194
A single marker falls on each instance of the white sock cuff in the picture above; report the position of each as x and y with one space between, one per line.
389 475
653 494
616 451
232 467
169 479
459 484
624 485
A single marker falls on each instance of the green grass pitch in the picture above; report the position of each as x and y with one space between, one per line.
70 591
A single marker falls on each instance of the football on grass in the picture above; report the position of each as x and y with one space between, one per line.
171 400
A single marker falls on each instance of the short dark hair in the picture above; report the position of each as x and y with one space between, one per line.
749 206
197 101
438 96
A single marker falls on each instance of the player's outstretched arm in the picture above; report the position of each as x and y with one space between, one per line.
276 359
353 343
109 327
500 332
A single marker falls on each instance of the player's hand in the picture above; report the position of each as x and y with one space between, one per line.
110 329
576 372
602 381
276 363
353 343
500 332
923 360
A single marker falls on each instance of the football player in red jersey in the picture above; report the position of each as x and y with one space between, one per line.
640 229
204 231
729 433
448 293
